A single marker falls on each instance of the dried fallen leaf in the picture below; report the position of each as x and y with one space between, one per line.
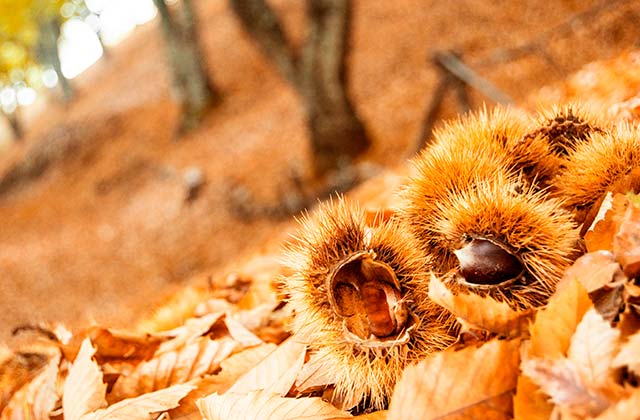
550 338
140 407
529 403
626 408
264 405
192 329
594 270
629 354
84 391
452 382
479 312
555 324
114 345
626 244
240 333
231 369
561 381
38 398
277 372
256 317
600 235
592 349
314 375
191 361
16 370
376 415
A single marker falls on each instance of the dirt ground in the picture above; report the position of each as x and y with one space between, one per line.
104 231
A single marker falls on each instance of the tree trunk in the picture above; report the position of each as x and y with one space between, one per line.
337 134
265 29
14 123
191 85
49 53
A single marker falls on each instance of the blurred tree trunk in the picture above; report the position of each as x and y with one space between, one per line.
49 53
14 123
320 77
191 85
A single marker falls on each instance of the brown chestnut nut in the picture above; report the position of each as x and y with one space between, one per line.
485 263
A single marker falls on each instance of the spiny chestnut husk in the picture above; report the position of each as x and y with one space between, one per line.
477 207
608 161
565 127
360 296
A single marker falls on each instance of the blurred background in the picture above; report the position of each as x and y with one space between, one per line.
148 145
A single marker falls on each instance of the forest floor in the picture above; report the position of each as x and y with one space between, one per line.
94 220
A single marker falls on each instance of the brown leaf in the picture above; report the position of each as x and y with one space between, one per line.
115 345
626 244
140 407
39 397
256 317
192 329
561 381
529 403
600 235
191 361
550 338
592 349
314 375
452 382
555 324
240 333
376 415
479 312
629 354
594 270
277 372
265 405
231 369
83 390
16 370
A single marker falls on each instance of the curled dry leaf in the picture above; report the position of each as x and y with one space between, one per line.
594 270
479 312
592 349
264 405
140 407
561 381
38 398
84 391
192 329
600 235
277 372
453 382
191 361
240 333
629 354
115 345
626 244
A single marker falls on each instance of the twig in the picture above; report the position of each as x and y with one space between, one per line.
451 63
